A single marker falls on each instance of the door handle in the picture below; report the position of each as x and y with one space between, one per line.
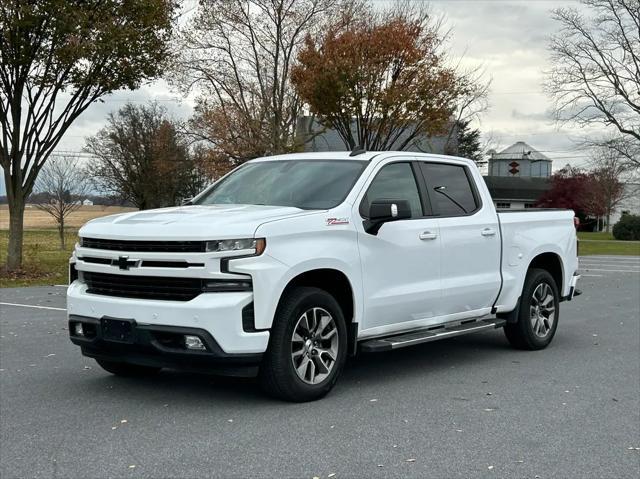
428 235
488 232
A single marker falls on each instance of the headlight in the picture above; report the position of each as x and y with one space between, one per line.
219 246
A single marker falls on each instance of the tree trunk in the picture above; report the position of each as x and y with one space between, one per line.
16 223
61 232
608 220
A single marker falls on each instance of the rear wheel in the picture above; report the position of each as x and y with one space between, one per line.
126 369
538 312
308 346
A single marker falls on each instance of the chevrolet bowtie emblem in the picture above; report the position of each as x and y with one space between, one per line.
123 262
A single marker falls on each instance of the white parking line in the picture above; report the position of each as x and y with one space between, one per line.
613 270
33 306
619 257
592 275
606 265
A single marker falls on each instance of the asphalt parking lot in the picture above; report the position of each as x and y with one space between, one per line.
464 407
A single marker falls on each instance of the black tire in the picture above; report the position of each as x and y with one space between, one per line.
521 334
126 369
278 375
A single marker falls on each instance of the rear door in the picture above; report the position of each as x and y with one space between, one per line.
470 239
401 264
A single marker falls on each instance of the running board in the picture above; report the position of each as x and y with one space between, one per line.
426 335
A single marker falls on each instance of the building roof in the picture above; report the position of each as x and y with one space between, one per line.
520 151
516 187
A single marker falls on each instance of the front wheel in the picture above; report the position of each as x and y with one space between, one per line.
538 312
307 348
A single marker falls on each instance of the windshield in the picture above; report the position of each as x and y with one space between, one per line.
306 184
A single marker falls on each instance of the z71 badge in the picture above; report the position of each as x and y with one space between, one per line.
337 221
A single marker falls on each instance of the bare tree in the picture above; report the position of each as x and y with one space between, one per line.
239 55
57 57
61 185
595 77
613 180
624 146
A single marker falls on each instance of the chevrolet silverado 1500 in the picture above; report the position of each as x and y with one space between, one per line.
290 263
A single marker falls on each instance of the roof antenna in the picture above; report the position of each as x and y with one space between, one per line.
359 150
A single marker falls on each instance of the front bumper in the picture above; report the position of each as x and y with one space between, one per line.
219 315
160 346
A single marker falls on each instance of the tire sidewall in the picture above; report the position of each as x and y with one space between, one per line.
294 306
533 280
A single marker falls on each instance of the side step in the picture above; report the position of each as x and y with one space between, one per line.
426 335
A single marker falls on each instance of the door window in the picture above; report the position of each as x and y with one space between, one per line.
393 182
451 192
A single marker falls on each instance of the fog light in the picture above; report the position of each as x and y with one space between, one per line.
194 342
77 329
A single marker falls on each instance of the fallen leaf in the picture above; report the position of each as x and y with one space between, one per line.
114 427
229 420
380 465
332 474
132 466
488 409
411 460
373 400
490 468
124 421
87 367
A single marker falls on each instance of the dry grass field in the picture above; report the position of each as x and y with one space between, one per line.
37 219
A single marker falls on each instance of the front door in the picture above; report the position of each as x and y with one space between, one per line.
401 264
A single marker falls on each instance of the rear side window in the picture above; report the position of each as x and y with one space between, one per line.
393 182
450 189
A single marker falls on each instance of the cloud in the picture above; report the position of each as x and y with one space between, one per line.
510 39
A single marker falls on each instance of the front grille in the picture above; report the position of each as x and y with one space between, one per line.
145 246
143 287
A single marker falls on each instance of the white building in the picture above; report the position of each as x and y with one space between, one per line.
518 176
87 202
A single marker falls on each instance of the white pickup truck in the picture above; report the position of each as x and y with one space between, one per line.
290 263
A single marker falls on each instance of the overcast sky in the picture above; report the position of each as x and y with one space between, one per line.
508 37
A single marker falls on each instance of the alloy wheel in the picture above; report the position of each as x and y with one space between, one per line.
314 345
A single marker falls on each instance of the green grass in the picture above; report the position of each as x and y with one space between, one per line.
600 236
43 261
604 243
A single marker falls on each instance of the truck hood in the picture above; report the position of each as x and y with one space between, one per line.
196 222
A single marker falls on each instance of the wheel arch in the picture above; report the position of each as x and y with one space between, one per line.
338 285
552 263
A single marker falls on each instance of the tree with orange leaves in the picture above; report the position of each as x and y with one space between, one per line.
383 81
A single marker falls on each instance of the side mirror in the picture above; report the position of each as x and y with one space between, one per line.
384 211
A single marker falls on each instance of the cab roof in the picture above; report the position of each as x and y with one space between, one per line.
346 155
